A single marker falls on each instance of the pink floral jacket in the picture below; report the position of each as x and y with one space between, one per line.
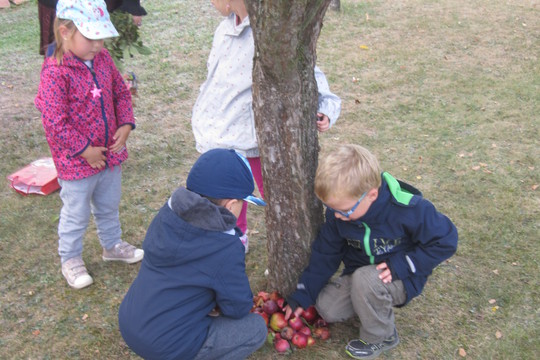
82 107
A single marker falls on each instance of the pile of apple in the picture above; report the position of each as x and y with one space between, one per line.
298 332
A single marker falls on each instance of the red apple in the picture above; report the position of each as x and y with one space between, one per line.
280 302
310 314
299 340
282 346
305 330
296 323
320 322
270 307
322 333
263 295
274 295
287 333
264 316
277 321
310 341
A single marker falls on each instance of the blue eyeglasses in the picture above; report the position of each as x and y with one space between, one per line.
348 213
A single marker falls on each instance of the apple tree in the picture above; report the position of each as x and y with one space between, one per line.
285 106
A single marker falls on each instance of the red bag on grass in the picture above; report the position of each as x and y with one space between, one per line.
40 177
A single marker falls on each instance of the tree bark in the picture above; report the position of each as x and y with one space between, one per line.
285 106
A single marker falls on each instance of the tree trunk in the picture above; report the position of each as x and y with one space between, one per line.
285 106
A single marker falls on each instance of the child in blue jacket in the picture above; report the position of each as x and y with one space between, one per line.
195 262
389 239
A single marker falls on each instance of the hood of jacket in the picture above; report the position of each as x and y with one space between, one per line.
189 229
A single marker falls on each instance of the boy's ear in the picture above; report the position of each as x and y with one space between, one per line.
229 204
373 194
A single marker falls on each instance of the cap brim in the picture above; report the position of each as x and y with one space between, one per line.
255 200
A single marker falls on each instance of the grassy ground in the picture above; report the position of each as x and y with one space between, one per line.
446 93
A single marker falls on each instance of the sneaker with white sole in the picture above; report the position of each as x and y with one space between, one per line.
245 241
124 252
359 349
76 274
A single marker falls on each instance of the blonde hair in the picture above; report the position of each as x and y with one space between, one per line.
60 50
348 171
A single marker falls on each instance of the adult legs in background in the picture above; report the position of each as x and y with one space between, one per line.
46 17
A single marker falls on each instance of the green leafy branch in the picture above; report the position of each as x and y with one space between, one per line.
128 42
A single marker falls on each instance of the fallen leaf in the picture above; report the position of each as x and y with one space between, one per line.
531 167
356 101
36 332
514 263
498 334
367 17
475 168
482 164
84 317
462 352
494 308
496 271
461 155
534 187
493 145
364 47
419 177
492 301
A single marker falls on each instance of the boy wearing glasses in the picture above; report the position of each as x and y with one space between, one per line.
389 239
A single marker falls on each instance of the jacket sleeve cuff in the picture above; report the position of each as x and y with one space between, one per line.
401 267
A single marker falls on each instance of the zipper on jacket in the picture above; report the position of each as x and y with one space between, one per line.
367 234
103 115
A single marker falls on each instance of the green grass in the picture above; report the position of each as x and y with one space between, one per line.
446 94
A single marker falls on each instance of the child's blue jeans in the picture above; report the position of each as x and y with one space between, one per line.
98 194
233 338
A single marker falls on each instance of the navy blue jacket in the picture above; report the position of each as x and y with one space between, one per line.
190 266
400 228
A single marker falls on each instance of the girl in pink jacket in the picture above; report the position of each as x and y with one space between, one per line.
87 116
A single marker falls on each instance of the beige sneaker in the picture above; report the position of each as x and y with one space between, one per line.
123 252
75 273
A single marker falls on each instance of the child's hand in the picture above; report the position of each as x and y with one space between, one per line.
95 156
289 312
323 123
120 138
386 274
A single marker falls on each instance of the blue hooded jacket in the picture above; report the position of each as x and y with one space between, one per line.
400 228
190 266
